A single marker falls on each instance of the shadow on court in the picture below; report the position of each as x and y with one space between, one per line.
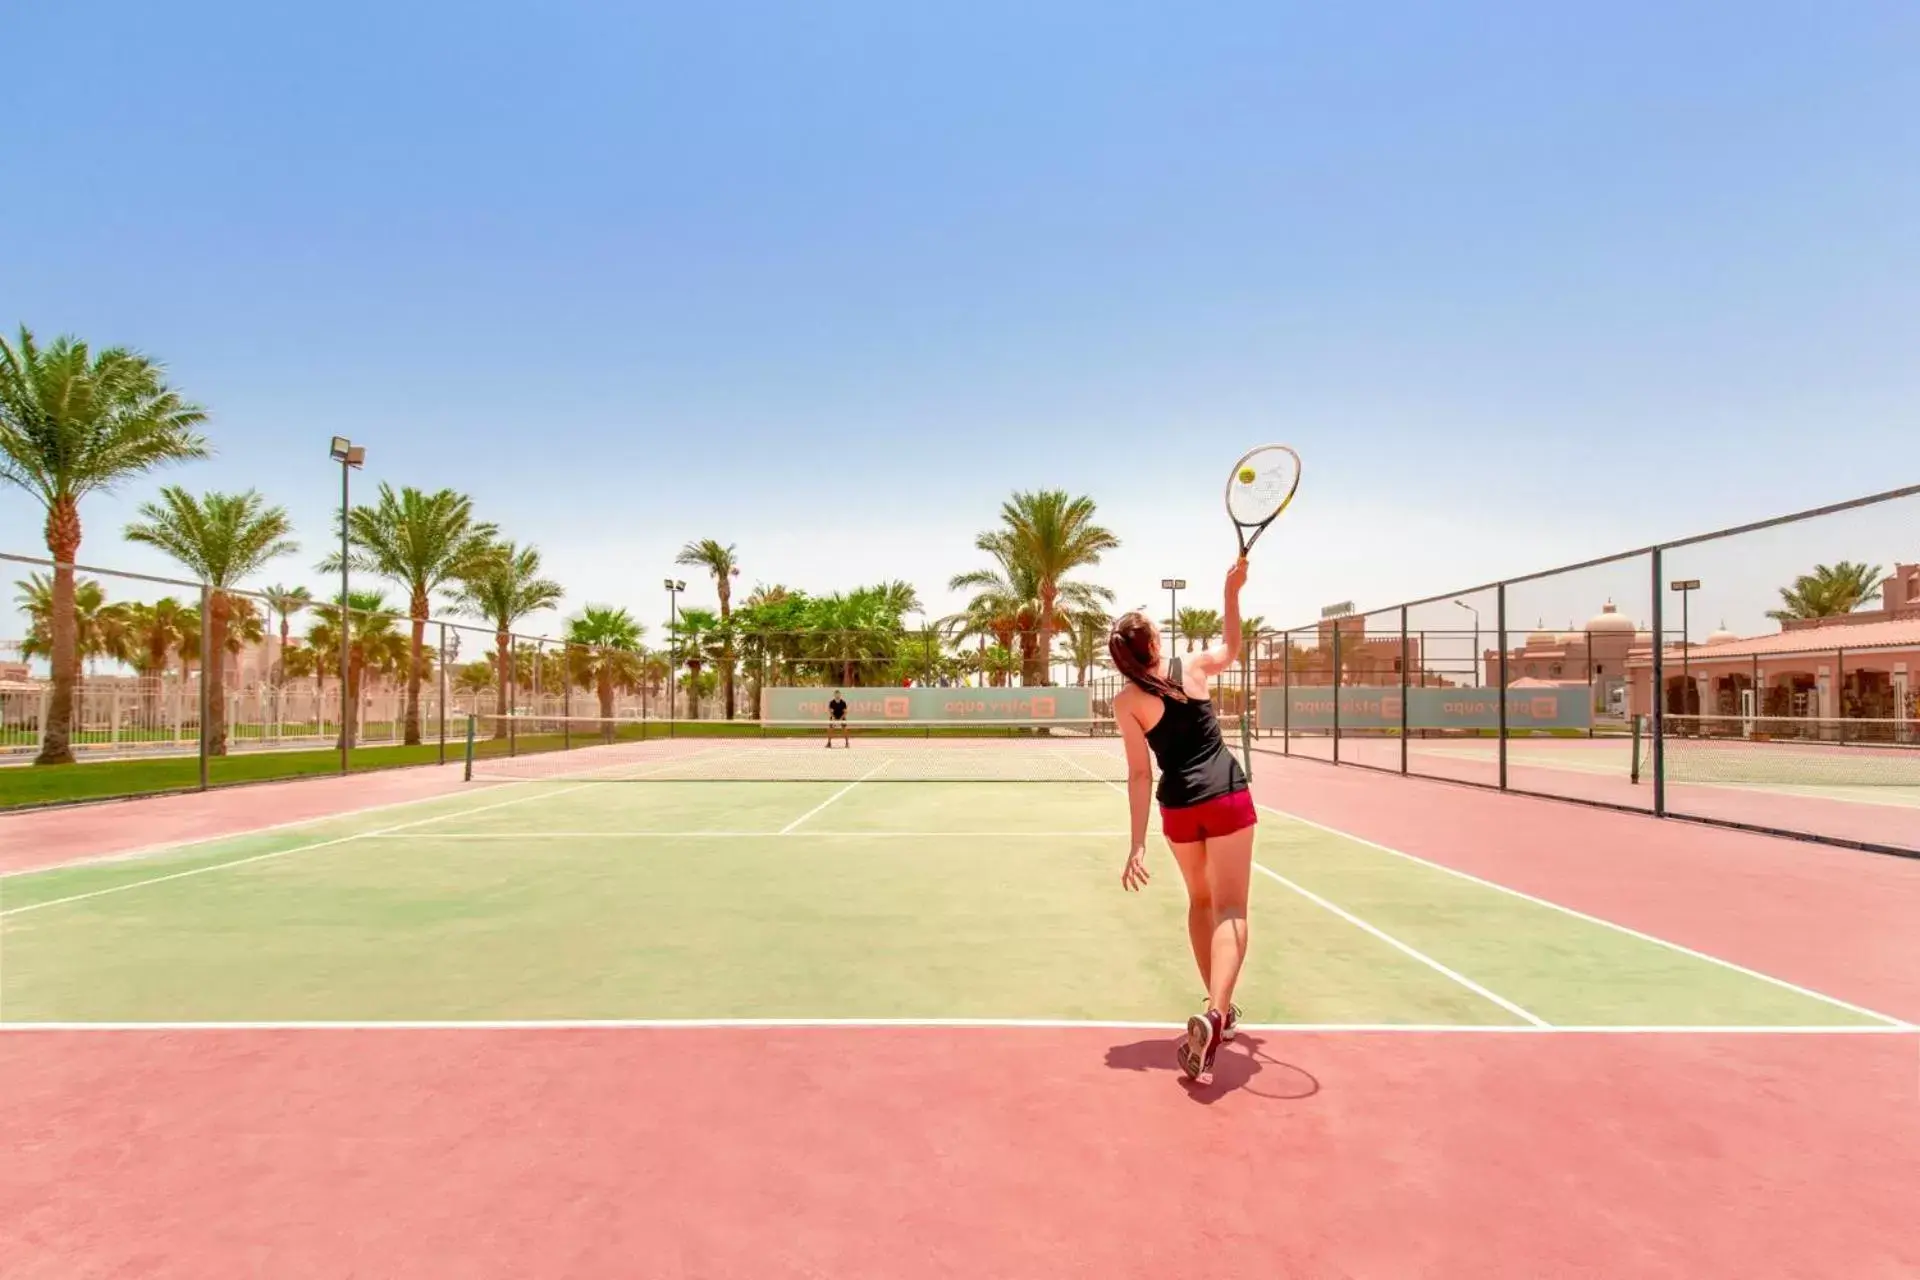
1242 1065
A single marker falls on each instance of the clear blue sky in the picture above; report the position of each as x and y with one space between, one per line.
1523 283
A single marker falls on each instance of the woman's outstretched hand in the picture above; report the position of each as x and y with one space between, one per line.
1135 875
1237 576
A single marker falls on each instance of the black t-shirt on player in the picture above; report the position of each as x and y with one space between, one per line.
837 709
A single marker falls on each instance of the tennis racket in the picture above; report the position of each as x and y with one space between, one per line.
1259 488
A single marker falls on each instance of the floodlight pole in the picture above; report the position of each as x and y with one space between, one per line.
1686 587
1479 659
349 456
1173 587
673 644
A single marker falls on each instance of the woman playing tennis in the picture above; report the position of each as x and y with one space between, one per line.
1206 811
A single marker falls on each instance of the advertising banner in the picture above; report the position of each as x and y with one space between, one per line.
930 705
1373 708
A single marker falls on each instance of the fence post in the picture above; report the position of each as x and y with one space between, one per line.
442 664
1286 693
1500 625
1403 689
1659 691
1840 691
206 685
1336 691
1246 703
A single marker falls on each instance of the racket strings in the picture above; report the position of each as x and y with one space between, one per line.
1276 473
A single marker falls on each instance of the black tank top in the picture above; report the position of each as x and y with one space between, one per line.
1195 765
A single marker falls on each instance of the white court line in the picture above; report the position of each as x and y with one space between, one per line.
1893 1022
939 1024
149 850
490 782
788 829
281 853
1400 946
1389 939
755 835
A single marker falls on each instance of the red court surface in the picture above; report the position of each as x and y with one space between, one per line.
1890 825
1838 920
924 1152
49 837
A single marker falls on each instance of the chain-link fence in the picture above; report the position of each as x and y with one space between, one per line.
1765 677
178 686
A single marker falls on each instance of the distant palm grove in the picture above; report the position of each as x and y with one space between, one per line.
75 420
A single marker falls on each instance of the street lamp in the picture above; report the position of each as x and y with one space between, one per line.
1479 676
674 588
1686 587
350 456
1173 587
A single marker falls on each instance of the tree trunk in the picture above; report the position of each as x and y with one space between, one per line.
501 640
606 699
693 691
63 543
1049 594
414 664
218 607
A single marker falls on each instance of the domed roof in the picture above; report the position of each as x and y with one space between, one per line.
1571 635
1541 636
1610 619
1721 635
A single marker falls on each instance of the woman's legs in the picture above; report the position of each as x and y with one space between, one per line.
1192 860
1227 862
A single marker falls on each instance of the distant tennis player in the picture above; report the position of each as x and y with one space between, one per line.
1206 811
837 718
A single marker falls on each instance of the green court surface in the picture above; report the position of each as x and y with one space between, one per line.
810 900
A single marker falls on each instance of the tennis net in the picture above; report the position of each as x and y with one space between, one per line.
1783 751
587 749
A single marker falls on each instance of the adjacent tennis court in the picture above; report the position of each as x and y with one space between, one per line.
730 999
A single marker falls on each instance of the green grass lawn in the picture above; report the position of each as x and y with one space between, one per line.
104 779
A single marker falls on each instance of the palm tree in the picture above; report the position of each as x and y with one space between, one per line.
604 648
503 588
999 663
420 542
220 539
101 630
1009 606
153 631
721 562
373 646
285 601
72 421
1199 627
1089 642
1051 534
694 636
1829 591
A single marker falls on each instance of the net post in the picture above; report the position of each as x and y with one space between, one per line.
468 776
1633 770
1403 689
1500 625
206 683
1658 725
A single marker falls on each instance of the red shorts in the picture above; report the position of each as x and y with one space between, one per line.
1210 819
